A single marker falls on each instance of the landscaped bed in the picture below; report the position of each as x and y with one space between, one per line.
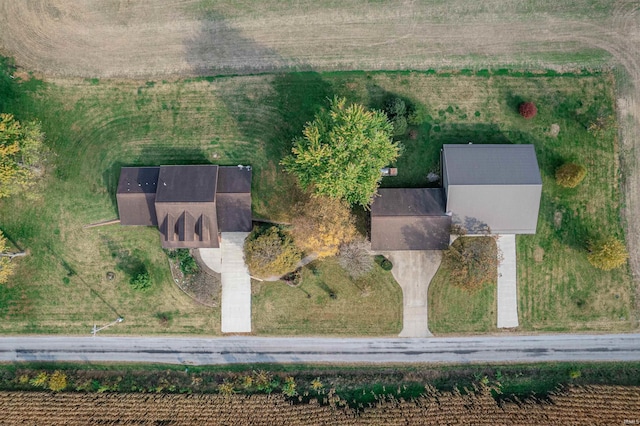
95 127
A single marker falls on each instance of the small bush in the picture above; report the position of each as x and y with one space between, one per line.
384 262
289 387
226 388
40 380
472 261
607 254
396 110
188 264
399 125
141 281
58 381
165 318
570 175
395 107
270 252
355 258
418 115
528 110
316 384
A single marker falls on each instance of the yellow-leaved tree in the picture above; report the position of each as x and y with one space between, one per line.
322 224
6 266
21 154
607 253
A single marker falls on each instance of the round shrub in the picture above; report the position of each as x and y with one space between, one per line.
570 175
528 110
384 262
140 281
607 254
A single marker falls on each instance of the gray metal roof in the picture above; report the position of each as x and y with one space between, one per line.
187 184
408 202
493 164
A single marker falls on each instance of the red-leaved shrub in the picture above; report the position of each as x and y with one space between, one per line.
528 110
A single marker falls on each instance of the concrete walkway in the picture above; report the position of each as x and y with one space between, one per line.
414 269
212 258
236 284
507 288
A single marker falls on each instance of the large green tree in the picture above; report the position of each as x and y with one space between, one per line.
21 154
341 152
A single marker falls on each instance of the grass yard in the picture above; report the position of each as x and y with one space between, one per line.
558 288
97 126
455 310
329 302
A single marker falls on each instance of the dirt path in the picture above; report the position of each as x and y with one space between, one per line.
164 38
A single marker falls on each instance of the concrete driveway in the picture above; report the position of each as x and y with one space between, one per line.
414 269
228 260
507 288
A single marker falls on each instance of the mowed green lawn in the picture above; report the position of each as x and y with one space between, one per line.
95 127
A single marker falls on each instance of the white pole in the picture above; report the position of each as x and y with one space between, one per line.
95 329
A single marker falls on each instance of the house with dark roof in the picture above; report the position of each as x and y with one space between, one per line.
486 188
191 205
410 219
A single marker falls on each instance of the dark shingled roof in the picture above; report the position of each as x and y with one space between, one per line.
492 164
138 180
191 204
234 179
410 232
234 212
136 195
409 219
409 202
187 184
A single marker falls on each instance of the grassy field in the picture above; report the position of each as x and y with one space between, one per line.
96 126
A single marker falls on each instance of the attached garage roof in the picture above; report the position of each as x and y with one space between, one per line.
493 164
410 232
409 219
234 212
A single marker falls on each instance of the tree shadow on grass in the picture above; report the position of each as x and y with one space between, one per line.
297 97
294 101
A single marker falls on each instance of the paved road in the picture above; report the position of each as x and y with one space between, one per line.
200 351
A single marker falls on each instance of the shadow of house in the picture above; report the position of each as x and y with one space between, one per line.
190 204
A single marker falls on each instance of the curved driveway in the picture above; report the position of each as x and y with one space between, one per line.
203 351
